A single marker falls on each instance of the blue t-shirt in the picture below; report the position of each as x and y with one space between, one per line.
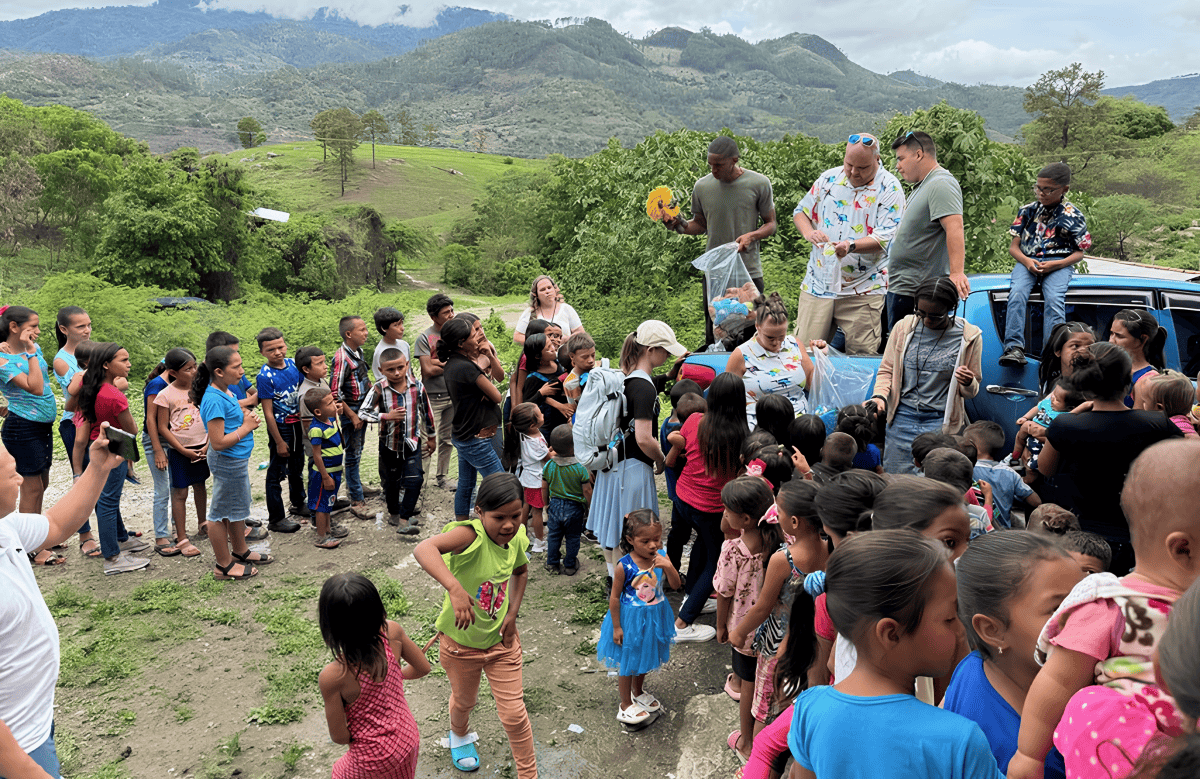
281 387
671 474
972 695
1007 485
869 459
851 737
153 387
222 405
64 381
35 408
240 389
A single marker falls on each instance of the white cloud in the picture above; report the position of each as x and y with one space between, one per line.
973 61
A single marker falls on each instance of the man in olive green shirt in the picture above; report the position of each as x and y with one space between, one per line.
728 205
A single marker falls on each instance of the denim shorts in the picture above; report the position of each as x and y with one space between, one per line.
231 488
30 443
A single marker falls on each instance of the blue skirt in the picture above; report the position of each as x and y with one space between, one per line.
628 486
648 631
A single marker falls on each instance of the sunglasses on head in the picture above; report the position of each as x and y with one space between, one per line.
865 140
911 134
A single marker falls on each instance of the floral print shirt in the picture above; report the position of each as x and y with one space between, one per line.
1051 231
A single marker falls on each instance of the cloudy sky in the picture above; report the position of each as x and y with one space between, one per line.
968 41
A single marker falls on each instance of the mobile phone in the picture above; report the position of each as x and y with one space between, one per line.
124 444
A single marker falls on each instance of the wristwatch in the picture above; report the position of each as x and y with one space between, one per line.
853 246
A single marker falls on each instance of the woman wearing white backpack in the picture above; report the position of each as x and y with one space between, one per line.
629 483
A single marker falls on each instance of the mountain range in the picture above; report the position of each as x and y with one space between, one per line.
176 73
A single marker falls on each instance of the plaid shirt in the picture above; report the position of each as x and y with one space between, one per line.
381 399
351 376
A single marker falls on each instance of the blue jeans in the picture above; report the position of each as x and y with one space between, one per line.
702 564
162 491
401 472
905 426
66 431
290 468
1054 292
108 512
564 521
898 307
46 756
476 456
352 441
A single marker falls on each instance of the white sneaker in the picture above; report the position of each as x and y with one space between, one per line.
134 544
123 563
694 634
709 607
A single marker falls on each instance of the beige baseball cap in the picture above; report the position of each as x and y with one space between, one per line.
652 332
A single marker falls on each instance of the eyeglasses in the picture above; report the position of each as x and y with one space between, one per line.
1046 190
928 317
865 140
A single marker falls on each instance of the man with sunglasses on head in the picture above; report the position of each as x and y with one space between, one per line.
1049 236
728 205
930 240
849 215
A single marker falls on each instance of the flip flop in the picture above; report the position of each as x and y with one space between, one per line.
93 552
167 550
465 752
54 559
730 690
187 548
733 742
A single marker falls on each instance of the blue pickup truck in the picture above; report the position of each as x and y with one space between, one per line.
1093 299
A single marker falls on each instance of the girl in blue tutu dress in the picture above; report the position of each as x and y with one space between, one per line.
639 628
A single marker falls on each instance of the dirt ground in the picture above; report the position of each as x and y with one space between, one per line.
178 707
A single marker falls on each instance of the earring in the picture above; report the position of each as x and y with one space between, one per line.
1001 650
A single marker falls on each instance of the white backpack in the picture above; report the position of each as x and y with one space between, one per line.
597 428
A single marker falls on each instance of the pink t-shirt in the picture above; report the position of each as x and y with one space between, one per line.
739 576
1095 628
695 487
822 624
110 404
184 417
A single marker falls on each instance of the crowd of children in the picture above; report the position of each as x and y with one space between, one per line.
915 622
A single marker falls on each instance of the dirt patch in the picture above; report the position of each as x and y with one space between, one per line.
179 697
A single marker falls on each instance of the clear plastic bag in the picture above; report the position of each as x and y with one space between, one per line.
834 386
723 269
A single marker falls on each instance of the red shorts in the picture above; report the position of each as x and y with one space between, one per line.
533 497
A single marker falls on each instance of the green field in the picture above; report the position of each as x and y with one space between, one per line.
409 183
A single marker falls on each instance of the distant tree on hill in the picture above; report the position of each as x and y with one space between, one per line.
1192 123
321 127
340 130
1113 219
407 133
1062 100
480 137
374 127
429 133
250 132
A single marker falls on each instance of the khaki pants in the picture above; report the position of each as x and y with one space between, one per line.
858 316
503 668
443 423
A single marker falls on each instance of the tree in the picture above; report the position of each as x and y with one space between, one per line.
250 132
1061 98
376 127
430 133
480 140
322 130
1113 219
344 129
407 133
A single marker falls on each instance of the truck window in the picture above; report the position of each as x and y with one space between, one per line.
1093 307
1185 313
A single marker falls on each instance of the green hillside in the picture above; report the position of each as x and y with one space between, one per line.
531 89
427 188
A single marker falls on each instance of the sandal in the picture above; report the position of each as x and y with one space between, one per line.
54 559
731 690
187 548
327 542
733 740
648 702
465 752
245 558
93 552
169 549
634 715
223 571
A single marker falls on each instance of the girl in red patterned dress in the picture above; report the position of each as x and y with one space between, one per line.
363 687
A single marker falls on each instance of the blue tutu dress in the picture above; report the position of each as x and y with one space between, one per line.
646 620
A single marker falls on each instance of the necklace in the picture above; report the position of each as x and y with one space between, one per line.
932 350
553 311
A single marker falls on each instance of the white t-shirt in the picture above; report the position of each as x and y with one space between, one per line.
28 636
402 345
533 457
564 316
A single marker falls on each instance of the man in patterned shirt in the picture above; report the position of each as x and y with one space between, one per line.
1049 236
400 405
849 215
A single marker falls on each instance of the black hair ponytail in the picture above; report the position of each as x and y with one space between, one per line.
455 333
102 354
64 320
217 358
